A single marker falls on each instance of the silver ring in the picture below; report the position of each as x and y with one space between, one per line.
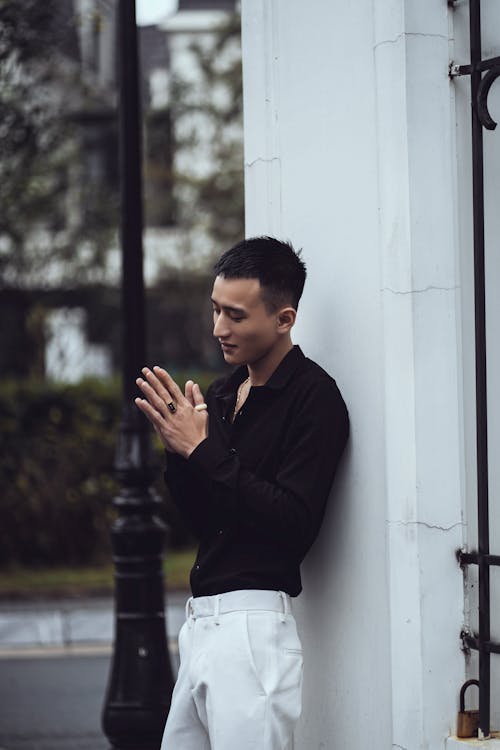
172 407
200 407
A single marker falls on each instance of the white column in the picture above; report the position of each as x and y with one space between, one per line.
423 428
349 152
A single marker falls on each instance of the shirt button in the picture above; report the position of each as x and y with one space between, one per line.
221 531
197 567
232 450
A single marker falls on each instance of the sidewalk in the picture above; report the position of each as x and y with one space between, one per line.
83 625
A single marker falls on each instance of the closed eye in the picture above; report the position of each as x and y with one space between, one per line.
234 317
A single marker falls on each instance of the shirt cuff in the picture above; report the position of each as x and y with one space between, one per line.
210 454
174 462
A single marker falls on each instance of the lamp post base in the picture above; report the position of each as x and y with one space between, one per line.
141 681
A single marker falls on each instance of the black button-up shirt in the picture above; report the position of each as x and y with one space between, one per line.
255 490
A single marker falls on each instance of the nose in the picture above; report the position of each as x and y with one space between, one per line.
221 329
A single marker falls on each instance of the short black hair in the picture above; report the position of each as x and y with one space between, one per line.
278 267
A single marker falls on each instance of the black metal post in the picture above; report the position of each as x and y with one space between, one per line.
140 682
481 385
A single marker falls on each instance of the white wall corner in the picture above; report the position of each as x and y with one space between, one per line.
423 403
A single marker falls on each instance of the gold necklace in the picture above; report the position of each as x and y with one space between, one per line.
240 397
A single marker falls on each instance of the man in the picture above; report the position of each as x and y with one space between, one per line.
251 469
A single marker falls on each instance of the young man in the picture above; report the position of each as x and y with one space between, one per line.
250 468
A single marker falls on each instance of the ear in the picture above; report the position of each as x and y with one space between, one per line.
286 319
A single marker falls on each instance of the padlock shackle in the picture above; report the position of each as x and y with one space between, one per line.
464 687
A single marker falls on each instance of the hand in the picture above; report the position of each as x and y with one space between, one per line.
184 429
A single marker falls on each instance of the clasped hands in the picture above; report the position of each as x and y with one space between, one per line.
179 419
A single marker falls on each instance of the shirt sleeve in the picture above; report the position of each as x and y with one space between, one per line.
189 489
290 508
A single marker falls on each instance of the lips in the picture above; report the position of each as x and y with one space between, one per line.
227 347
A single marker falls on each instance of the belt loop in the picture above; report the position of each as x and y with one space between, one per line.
217 610
189 610
286 608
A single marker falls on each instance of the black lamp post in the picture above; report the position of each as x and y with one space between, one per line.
140 681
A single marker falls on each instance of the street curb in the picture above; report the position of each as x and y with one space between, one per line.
76 650
70 624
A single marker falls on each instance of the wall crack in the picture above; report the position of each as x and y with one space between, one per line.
427 525
410 34
421 291
261 159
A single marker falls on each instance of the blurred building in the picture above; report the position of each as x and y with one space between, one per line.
178 135
178 101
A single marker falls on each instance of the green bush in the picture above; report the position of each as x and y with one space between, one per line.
56 472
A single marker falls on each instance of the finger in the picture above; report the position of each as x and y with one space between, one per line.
164 394
152 396
156 420
154 417
188 391
169 383
197 394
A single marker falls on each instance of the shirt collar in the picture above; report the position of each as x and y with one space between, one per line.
278 379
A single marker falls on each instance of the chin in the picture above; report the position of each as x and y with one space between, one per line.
234 359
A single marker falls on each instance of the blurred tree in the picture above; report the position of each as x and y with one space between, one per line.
159 201
208 115
45 237
58 214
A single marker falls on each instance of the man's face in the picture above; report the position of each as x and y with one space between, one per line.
242 323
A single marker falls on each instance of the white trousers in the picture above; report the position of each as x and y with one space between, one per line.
240 677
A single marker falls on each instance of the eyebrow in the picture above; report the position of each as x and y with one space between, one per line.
229 308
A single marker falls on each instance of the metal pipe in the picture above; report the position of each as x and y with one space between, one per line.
481 376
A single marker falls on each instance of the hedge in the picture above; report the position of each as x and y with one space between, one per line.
57 446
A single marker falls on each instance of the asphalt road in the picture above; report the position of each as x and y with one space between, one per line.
53 702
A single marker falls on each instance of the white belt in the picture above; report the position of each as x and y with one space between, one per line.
232 601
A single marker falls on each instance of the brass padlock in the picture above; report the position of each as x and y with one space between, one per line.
468 721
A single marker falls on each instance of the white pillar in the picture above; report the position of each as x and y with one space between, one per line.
349 152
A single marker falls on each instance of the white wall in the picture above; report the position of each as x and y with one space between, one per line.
350 153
